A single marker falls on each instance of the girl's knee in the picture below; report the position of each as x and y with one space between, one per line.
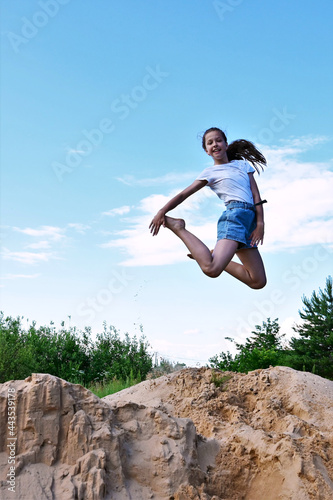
258 284
212 272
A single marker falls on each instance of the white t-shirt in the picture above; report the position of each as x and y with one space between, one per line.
230 181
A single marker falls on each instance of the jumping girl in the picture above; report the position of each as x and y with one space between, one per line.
241 226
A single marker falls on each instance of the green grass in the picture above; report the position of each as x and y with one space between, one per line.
102 389
218 379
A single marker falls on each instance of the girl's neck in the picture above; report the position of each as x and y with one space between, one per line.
221 162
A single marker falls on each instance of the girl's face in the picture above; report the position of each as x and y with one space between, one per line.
216 147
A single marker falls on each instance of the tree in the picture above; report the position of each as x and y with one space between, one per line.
15 359
264 337
261 350
313 349
115 358
70 354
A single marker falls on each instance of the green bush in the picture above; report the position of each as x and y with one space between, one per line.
70 354
15 358
311 351
262 350
116 358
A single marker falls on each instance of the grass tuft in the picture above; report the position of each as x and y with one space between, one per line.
105 388
218 379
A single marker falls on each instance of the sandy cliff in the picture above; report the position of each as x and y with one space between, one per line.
267 435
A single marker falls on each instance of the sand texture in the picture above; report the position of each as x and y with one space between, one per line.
267 435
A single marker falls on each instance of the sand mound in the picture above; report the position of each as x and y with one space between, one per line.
191 435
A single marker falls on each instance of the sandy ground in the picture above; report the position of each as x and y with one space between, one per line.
191 435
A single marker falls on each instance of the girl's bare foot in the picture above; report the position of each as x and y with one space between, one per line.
174 225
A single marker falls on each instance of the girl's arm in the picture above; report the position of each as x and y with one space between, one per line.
258 234
159 219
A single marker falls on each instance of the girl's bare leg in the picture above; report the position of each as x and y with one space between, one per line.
210 264
251 271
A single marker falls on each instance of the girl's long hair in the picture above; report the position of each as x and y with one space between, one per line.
240 150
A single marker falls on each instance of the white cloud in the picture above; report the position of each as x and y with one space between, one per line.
54 233
142 249
80 228
299 210
145 250
170 178
117 211
299 144
30 258
51 236
41 245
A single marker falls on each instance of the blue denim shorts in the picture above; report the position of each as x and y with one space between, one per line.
237 223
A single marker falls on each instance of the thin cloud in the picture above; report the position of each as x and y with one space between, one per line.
305 143
52 232
29 258
79 228
45 250
41 245
117 211
170 178
38 245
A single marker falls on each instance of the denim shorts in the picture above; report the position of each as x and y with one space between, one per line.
237 223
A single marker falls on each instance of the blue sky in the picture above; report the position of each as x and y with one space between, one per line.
102 104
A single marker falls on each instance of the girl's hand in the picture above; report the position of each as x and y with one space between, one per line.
258 234
157 222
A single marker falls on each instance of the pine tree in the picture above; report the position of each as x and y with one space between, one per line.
313 350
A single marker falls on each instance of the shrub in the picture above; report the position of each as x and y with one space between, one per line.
70 354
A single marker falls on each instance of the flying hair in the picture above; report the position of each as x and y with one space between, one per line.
240 150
